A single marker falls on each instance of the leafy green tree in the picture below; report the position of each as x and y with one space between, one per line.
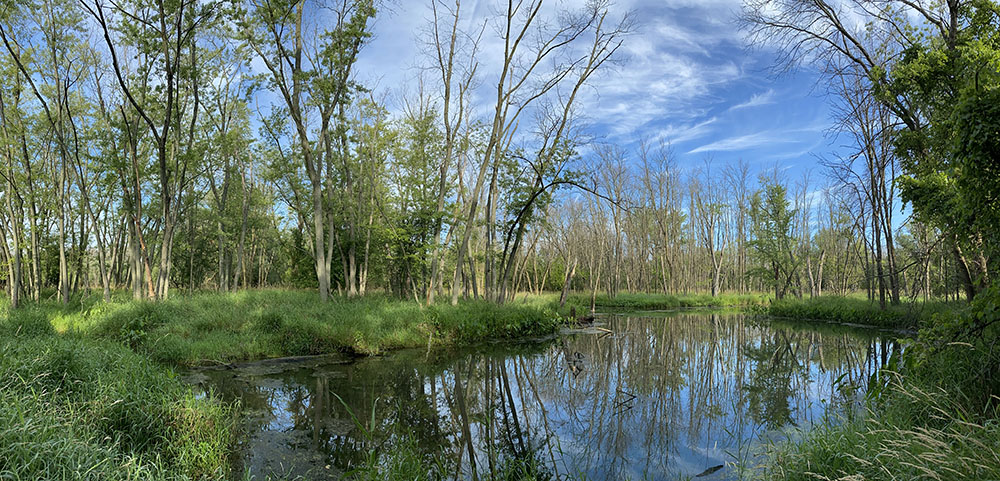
771 221
948 143
314 80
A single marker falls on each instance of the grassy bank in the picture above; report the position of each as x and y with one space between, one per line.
858 310
639 302
893 442
77 408
88 392
247 325
933 413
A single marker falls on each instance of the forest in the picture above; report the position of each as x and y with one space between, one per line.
187 182
199 150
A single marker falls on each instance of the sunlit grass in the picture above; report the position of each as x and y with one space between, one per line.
246 325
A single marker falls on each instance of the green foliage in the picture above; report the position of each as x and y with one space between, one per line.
976 147
771 228
301 271
79 409
947 87
956 352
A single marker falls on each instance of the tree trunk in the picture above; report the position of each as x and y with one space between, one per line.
566 283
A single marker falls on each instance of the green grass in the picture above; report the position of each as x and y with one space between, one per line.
892 443
641 301
932 413
77 408
855 310
88 394
248 325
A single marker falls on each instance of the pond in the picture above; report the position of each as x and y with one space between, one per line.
670 395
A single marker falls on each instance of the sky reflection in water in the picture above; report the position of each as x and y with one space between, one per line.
663 396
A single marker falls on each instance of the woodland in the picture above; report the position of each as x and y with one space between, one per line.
185 182
139 154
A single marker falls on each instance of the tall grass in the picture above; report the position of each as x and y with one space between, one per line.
213 327
919 435
84 409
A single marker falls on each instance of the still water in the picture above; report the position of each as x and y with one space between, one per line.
641 396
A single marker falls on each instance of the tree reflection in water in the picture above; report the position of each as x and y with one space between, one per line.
663 396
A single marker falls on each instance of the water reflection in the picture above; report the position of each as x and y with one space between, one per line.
664 397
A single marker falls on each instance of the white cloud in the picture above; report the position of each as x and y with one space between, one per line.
686 132
744 142
757 100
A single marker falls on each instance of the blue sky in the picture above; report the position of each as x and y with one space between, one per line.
687 79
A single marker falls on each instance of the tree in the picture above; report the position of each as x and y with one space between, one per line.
710 213
312 79
771 228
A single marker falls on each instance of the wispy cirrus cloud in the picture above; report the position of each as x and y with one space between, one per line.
746 142
684 132
757 100
685 79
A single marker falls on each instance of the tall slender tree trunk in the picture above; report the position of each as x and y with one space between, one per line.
564 295
63 267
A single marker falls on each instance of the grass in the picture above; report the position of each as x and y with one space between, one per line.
77 408
248 325
892 444
650 301
932 413
856 310
88 393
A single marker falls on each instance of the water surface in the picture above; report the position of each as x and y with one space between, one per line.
644 396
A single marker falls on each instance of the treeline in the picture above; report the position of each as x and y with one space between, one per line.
230 144
722 228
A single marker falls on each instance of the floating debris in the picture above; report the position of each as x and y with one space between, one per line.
710 471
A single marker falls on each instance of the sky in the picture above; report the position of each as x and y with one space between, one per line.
686 78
